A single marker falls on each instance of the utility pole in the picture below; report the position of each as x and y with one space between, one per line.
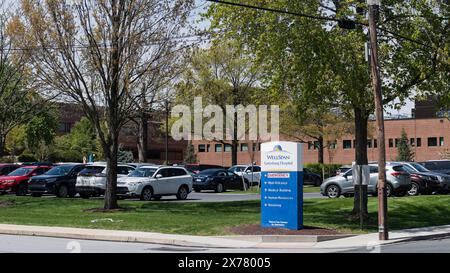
383 231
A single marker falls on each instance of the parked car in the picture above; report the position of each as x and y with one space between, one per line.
153 182
5 169
249 172
424 181
397 178
343 169
310 178
60 181
91 181
438 166
17 181
219 180
197 168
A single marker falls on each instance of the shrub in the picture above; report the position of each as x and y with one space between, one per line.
27 157
328 169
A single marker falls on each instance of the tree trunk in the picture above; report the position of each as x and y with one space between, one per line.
142 139
321 150
234 143
2 145
361 120
111 176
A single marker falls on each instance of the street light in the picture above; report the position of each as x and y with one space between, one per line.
383 231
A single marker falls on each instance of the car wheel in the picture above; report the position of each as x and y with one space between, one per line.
333 191
147 194
219 188
389 190
63 191
85 195
415 189
182 193
35 194
21 190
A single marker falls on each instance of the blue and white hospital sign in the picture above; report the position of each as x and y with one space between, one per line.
282 185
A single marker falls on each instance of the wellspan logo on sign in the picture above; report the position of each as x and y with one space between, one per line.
278 157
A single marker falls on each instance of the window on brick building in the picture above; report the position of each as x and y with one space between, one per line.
316 145
432 142
375 143
397 142
332 145
412 142
418 142
244 147
441 141
391 143
255 147
218 148
310 145
347 144
228 148
202 148
369 143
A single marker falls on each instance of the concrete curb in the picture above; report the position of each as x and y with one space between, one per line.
124 236
287 238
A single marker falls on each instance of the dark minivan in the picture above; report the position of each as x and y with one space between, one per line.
438 166
219 180
59 181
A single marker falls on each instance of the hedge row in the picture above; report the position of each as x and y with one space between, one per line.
324 170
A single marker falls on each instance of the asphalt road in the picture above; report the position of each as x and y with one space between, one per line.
27 244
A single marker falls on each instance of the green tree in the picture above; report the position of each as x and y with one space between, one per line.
308 58
125 156
190 156
405 152
16 140
41 132
224 74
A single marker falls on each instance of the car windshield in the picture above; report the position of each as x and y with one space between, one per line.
143 172
92 170
21 172
208 172
419 168
237 169
61 170
408 169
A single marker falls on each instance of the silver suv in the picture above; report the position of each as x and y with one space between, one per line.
398 182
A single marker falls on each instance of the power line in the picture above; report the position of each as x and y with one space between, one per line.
78 47
321 18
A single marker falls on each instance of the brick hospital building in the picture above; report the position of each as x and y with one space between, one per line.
427 129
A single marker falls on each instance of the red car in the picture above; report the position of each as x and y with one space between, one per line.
17 181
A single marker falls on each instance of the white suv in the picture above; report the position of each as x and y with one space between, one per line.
153 182
91 181
253 176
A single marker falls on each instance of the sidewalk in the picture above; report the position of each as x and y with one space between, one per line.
301 242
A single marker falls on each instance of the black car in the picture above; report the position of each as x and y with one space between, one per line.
438 166
219 180
5 169
59 181
310 178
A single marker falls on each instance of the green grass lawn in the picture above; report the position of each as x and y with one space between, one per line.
216 218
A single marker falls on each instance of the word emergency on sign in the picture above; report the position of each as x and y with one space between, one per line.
282 185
